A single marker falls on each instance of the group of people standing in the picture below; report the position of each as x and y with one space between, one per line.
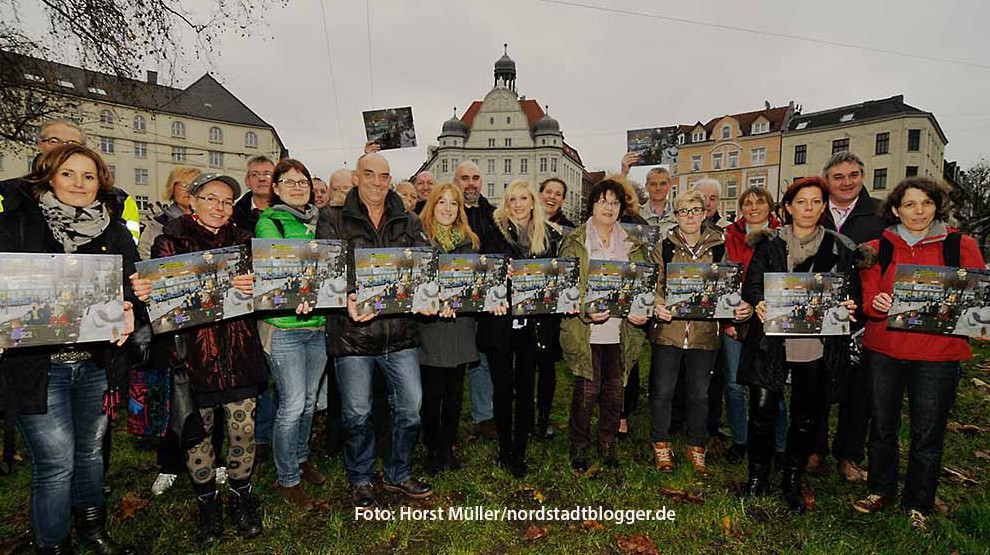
827 224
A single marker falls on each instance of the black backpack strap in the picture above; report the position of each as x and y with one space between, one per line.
885 253
718 252
668 251
950 249
279 226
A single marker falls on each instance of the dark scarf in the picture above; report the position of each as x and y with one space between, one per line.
73 227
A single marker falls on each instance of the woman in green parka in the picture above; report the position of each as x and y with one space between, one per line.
294 344
598 348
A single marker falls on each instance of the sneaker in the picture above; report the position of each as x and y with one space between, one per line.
870 504
162 483
918 520
663 456
697 457
221 475
411 487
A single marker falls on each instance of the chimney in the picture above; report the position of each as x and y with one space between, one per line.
152 77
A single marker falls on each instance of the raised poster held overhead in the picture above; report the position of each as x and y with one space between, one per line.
390 128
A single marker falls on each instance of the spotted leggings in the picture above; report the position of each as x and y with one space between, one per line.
240 451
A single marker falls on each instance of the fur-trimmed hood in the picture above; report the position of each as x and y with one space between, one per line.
865 256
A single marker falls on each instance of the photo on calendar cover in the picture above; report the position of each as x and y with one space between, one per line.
196 288
55 299
806 303
473 282
288 272
390 128
942 300
545 286
620 287
396 280
646 234
703 291
654 145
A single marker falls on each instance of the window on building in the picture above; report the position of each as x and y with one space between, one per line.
106 118
758 156
140 124
97 90
879 179
140 176
178 130
726 132
491 166
474 161
698 136
508 165
553 165
883 143
179 154
914 140
846 117
544 142
142 202
107 145
840 145
680 138
251 139
216 135
717 161
734 159
911 171
140 149
761 127
731 188
758 181
443 166
524 166
508 142
800 154
508 119
543 165
216 159
491 190
696 163
491 121
491 143
453 163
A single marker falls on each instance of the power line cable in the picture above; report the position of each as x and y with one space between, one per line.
371 67
330 77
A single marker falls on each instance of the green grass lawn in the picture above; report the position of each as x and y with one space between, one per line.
721 523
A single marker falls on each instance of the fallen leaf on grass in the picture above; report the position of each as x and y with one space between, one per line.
731 529
592 525
959 476
985 455
637 545
982 385
130 505
15 545
964 428
942 507
809 496
535 532
682 496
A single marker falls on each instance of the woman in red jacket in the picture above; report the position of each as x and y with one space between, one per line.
927 365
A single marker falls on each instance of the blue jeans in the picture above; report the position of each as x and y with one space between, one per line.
65 445
735 397
931 391
480 382
405 397
297 360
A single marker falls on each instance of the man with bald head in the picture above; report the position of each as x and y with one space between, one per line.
341 181
373 216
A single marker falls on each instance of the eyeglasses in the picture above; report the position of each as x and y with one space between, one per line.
257 174
214 201
294 183
55 141
608 203
696 211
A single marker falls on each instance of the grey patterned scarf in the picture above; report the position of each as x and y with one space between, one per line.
307 218
72 226
799 250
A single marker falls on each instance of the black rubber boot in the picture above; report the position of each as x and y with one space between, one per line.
91 527
790 485
759 478
64 547
209 519
243 511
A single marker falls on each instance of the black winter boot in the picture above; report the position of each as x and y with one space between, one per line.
759 478
91 527
64 547
209 519
243 511
790 485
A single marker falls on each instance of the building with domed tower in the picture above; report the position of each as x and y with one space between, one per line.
509 137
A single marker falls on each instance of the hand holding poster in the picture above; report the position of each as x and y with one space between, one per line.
396 280
390 128
941 300
55 299
620 287
703 291
288 272
196 288
545 286
806 303
655 145
473 282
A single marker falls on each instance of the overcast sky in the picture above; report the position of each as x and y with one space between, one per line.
601 72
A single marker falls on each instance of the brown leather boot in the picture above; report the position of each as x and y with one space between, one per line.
697 457
295 495
311 474
663 456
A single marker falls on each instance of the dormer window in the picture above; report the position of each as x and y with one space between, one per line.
698 137
726 132
66 84
802 125
760 127
846 117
